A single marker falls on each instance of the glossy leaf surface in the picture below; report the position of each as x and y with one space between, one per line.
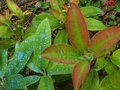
94 24
91 82
105 39
31 79
14 82
77 29
21 56
79 73
42 41
116 58
61 53
3 62
111 82
46 83
89 11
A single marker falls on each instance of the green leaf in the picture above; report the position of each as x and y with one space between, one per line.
7 43
15 82
42 41
54 23
31 79
55 5
80 73
61 53
115 58
94 25
15 9
54 68
61 37
46 83
101 63
77 29
111 82
58 68
110 68
3 62
91 82
4 32
89 11
105 39
21 56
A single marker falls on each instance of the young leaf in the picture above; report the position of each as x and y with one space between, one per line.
61 53
46 83
94 25
105 39
89 11
3 62
21 56
15 9
111 82
15 82
42 41
31 79
77 29
91 82
116 58
79 73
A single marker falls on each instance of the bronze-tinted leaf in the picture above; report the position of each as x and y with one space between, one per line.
79 73
105 39
76 28
61 53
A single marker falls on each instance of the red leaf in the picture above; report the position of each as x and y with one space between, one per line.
77 29
79 73
61 53
105 39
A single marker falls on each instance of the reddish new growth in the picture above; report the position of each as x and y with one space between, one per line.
110 2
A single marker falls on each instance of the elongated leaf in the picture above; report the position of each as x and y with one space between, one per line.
42 41
61 37
89 11
21 56
79 73
46 83
15 9
3 62
31 79
105 39
15 82
94 25
91 82
61 53
111 82
116 58
77 29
